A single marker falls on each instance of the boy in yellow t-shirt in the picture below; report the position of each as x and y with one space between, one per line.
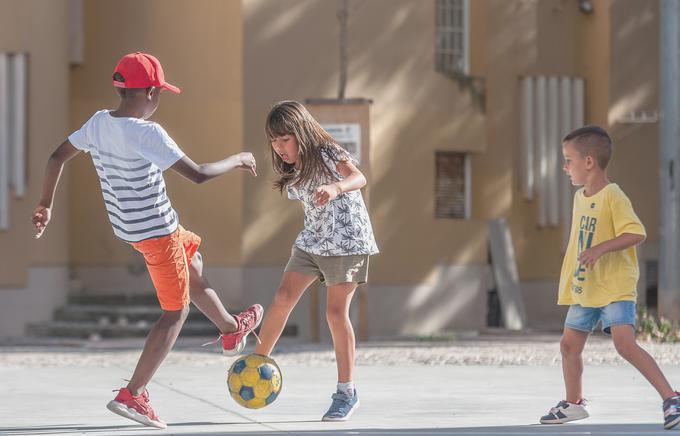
599 275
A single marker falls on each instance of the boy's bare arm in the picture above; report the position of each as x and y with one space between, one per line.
55 164
353 179
588 257
204 172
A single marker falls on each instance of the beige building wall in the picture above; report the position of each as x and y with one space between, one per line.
416 111
292 53
635 47
531 39
549 38
604 48
201 52
234 59
519 39
33 273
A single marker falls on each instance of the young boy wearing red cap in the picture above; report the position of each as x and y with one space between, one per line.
130 154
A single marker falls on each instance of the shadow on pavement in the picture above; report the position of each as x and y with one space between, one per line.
59 429
566 430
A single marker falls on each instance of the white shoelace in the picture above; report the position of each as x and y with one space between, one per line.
222 334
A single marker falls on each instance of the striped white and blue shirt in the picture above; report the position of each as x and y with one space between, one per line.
130 155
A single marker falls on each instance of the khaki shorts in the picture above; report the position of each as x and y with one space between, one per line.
332 270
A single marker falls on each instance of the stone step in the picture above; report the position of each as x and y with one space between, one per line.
93 330
115 314
147 298
92 316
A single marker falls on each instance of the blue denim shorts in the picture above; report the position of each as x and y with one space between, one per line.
585 319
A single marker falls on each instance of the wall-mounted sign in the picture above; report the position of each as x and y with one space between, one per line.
347 135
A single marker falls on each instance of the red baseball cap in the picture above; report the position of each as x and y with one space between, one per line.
140 70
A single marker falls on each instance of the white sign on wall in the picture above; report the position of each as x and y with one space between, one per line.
347 135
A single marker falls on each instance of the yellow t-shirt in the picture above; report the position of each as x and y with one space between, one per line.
614 277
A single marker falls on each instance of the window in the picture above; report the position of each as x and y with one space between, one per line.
13 78
451 36
452 185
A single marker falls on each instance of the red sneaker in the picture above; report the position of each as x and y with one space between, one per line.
248 320
135 408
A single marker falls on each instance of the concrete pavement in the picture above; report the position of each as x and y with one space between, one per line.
67 398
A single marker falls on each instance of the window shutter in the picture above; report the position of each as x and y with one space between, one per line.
450 189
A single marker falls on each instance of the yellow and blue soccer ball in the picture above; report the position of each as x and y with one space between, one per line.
254 381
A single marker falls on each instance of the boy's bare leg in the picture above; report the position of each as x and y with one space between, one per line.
571 347
627 347
293 285
205 298
337 314
159 342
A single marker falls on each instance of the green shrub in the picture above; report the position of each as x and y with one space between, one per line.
656 329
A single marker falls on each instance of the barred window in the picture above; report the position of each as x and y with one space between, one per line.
451 39
452 185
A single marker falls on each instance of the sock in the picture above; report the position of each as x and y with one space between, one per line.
347 388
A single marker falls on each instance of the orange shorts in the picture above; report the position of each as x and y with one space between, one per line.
167 259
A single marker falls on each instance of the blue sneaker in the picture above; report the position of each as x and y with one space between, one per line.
671 412
342 407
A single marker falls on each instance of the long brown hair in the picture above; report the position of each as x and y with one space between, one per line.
292 118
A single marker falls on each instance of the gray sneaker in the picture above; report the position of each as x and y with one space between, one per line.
342 407
671 412
565 412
